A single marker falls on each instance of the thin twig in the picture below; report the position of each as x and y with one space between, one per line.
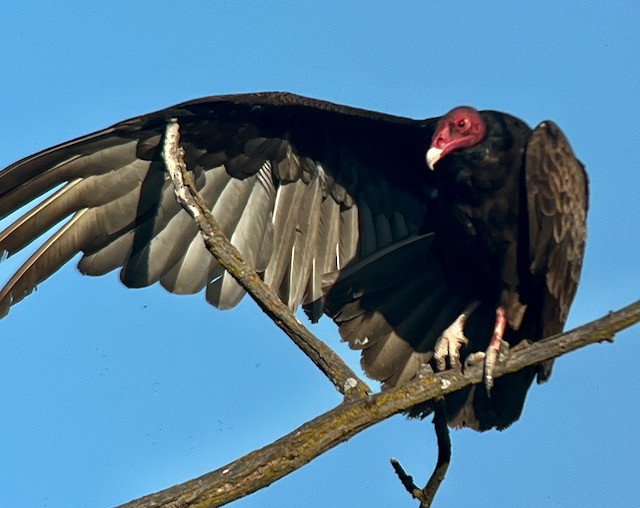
407 480
342 377
444 454
263 467
426 494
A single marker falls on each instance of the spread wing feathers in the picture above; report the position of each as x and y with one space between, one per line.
557 207
369 299
297 199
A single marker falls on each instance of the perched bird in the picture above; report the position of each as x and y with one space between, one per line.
429 242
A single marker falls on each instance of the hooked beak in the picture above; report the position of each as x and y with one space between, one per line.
433 155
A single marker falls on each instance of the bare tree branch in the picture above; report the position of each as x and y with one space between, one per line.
343 378
428 492
444 454
263 467
359 409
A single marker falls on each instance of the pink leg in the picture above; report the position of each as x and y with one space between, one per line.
493 350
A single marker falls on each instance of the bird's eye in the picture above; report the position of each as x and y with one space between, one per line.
463 123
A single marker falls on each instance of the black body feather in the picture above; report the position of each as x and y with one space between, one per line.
337 210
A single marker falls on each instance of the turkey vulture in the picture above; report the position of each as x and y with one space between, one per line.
428 242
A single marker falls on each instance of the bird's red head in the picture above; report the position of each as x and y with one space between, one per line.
460 128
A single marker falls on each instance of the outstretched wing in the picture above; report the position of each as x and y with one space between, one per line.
557 190
300 186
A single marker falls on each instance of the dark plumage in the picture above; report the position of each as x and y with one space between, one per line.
339 211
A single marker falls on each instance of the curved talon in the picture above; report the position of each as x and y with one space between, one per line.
493 356
452 339
474 359
494 348
489 359
448 346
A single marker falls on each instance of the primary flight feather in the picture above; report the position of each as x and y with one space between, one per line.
429 242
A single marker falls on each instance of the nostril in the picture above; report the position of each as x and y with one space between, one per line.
439 142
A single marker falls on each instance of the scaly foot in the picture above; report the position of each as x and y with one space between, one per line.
496 352
452 339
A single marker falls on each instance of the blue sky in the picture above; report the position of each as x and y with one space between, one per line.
105 398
